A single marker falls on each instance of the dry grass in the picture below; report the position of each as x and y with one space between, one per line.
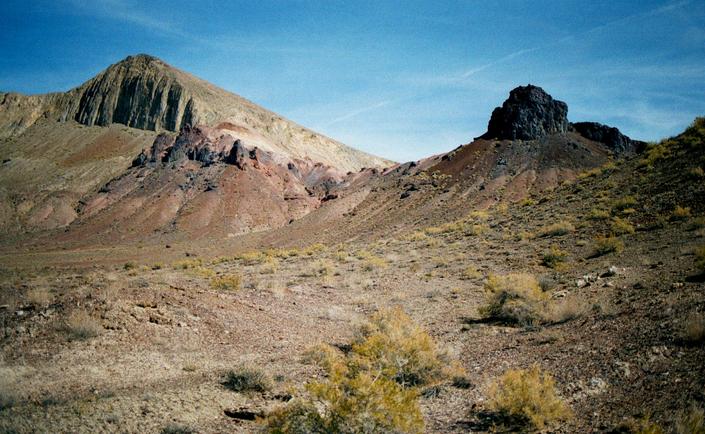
554 257
81 326
528 396
559 228
680 213
40 297
700 258
605 245
514 298
247 379
696 224
624 203
598 214
227 282
694 328
691 421
622 226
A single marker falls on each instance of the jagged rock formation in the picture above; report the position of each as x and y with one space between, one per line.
205 182
610 136
145 93
528 114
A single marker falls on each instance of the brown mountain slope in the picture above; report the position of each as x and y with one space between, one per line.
59 149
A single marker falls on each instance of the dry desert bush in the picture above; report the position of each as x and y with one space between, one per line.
554 257
374 388
605 245
514 298
694 328
556 229
528 396
80 326
39 297
247 379
227 282
622 226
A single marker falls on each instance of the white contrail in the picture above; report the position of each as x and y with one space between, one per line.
357 112
656 11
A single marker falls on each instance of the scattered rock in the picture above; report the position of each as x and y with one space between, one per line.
612 271
244 414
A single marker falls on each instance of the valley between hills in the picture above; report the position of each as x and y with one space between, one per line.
176 259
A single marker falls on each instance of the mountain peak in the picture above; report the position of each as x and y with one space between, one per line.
528 114
144 92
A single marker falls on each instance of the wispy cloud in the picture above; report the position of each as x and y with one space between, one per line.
121 10
358 112
130 12
575 36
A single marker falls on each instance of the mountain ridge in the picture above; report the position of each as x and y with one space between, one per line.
144 92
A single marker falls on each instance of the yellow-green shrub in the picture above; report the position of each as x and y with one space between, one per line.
598 214
700 258
228 282
529 396
313 249
605 245
252 258
680 213
374 388
471 272
373 262
392 344
624 203
622 226
554 257
515 298
185 264
556 229
691 422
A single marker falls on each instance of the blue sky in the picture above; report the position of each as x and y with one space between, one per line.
401 79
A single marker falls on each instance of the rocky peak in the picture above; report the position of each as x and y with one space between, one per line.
528 114
141 92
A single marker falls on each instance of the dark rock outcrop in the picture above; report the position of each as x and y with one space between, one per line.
238 155
610 136
528 114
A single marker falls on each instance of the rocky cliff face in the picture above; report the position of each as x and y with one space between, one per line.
528 114
139 93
